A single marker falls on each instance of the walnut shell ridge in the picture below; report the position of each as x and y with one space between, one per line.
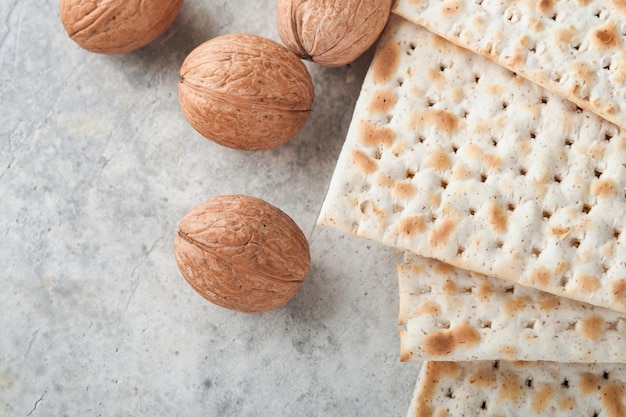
242 253
245 91
329 32
117 27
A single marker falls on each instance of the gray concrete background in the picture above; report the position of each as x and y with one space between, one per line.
97 167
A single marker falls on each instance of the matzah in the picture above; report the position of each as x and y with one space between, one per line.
515 389
450 314
574 48
455 158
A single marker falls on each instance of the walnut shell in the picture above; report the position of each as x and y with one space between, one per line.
117 27
245 91
242 253
329 32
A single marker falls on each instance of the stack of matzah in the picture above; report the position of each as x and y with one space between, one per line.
507 191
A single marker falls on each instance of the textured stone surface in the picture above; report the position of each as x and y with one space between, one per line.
97 167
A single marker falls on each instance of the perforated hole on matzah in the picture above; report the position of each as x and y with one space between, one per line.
508 389
455 158
451 314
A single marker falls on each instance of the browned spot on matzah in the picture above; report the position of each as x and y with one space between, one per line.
511 389
608 250
491 160
404 190
398 148
371 135
442 231
588 383
385 63
544 6
592 327
604 187
564 36
612 396
461 172
483 378
523 42
566 403
561 267
549 304
559 232
417 269
440 120
515 60
363 162
445 341
448 287
434 198
606 37
522 364
384 180
478 23
588 283
514 305
510 351
619 5
494 89
427 307
596 151
618 290
609 108
524 147
439 42
443 268
542 398
450 8
457 95
412 225
439 344
439 160
498 218
584 73
484 291
436 77
382 101
435 373
541 276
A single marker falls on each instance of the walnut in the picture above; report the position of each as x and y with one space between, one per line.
242 253
245 91
329 32
117 27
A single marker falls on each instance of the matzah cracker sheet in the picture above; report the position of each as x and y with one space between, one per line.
573 48
515 389
450 314
455 158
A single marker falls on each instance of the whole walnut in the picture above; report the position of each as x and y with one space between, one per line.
242 253
328 32
117 27
245 91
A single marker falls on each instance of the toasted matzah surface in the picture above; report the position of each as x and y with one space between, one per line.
571 47
516 389
455 158
454 315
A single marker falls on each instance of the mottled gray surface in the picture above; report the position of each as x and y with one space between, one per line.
97 166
